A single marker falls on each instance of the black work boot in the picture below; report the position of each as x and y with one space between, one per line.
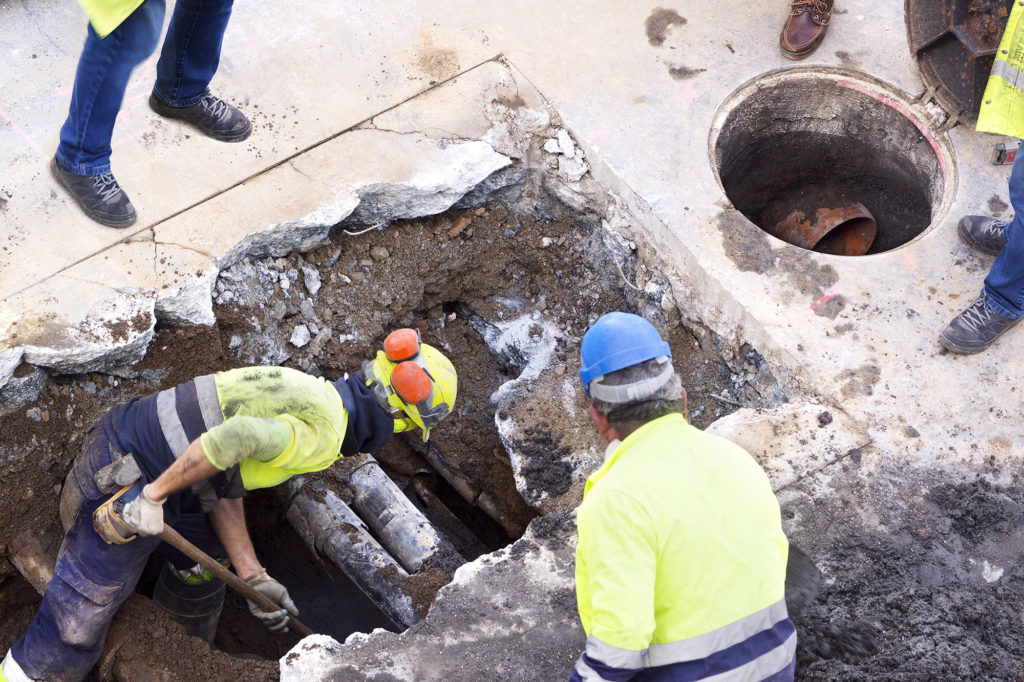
100 196
212 115
975 329
983 233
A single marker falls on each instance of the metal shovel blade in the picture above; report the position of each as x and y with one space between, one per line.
803 580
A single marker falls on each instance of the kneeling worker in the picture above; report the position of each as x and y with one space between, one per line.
198 447
681 561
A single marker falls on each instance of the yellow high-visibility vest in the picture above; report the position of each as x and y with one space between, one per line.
681 558
1002 109
106 15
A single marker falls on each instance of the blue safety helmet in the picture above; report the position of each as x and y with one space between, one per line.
617 341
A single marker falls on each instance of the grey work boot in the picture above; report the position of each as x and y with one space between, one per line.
100 196
983 233
975 329
212 115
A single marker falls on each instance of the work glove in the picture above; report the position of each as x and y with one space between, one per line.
143 515
275 621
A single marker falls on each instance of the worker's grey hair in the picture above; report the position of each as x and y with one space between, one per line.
628 417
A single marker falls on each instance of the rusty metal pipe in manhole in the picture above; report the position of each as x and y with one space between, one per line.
843 231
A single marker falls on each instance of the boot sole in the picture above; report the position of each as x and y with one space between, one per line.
100 218
173 113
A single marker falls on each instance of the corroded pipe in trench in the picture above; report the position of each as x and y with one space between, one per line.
847 230
330 528
399 525
470 492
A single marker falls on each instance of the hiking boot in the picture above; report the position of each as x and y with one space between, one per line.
975 329
100 196
805 27
983 233
212 115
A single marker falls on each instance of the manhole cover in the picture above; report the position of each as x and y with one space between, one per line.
955 42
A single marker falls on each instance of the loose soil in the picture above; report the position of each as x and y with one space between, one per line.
500 263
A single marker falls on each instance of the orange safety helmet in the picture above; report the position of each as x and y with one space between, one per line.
412 378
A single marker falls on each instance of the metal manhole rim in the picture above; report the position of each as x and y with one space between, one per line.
886 94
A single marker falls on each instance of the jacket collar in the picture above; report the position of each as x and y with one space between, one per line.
614 454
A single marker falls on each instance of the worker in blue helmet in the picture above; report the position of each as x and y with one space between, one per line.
681 560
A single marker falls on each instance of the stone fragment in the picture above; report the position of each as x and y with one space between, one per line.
300 336
379 253
311 276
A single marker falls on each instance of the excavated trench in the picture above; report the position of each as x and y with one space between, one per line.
492 287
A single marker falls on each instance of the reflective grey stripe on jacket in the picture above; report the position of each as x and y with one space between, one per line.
174 431
702 646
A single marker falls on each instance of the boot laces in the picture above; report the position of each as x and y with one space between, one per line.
819 10
977 315
107 186
993 228
214 105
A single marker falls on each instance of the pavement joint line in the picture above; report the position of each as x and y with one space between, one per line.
500 57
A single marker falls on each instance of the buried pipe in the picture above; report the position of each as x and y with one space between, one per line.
843 231
396 522
330 528
456 529
482 499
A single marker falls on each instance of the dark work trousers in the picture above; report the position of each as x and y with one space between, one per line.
91 578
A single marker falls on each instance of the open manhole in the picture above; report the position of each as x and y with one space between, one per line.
831 162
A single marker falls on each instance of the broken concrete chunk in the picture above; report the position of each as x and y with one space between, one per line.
440 178
311 276
300 336
9 361
565 144
789 441
115 332
22 390
520 596
551 146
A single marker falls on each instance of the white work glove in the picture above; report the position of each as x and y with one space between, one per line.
143 515
275 621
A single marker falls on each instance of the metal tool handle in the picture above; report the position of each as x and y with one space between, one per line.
173 538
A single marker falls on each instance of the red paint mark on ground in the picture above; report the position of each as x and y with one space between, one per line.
909 115
18 129
908 260
821 301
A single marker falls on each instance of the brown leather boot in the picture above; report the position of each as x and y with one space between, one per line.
805 28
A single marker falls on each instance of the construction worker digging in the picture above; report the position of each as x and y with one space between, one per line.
195 449
681 561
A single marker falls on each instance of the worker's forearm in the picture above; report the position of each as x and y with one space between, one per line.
191 467
228 521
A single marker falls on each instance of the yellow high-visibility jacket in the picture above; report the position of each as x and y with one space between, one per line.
1002 108
106 15
681 562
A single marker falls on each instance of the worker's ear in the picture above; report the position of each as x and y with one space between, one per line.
603 427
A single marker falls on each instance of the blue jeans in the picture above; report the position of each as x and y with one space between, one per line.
1004 286
91 578
188 61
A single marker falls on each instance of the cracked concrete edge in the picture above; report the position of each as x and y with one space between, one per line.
505 615
181 277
